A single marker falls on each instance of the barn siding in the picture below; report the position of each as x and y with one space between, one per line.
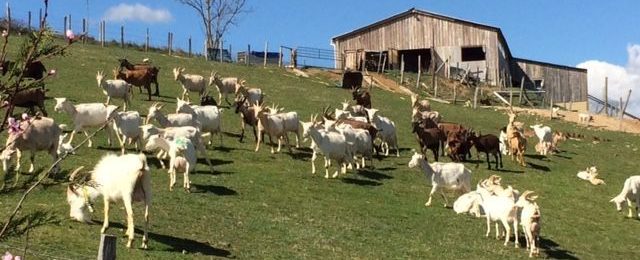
420 31
559 81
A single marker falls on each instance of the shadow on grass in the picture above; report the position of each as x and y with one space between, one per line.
387 168
218 190
536 156
360 182
224 149
21 225
554 251
509 171
370 174
563 157
539 167
178 244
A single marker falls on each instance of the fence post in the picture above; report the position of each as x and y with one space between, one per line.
475 98
40 20
419 71
521 90
264 60
246 56
107 249
29 20
69 22
625 105
189 46
401 69
146 44
169 42
65 25
606 98
280 57
231 53
104 32
121 36
220 49
84 31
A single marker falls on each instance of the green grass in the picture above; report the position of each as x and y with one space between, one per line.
259 205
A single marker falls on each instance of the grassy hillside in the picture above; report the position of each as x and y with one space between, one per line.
259 205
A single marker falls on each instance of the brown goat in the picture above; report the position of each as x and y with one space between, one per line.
139 78
28 98
124 63
248 117
428 138
489 144
362 97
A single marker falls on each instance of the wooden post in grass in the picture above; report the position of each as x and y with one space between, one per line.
401 69
189 46
121 36
264 60
69 22
384 64
84 30
455 93
146 41
280 57
169 42
419 72
230 53
220 50
107 249
606 98
625 105
521 90
247 55
40 20
65 25
475 98
29 20
379 61
510 97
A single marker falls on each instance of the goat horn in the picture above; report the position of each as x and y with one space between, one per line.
74 173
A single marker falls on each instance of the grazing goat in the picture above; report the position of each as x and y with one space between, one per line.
140 78
86 115
225 86
182 154
253 95
489 144
127 125
428 137
452 176
516 142
417 115
124 63
209 117
170 133
178 119
530 221
545 138
362 143
630 193
28 98
387 131
30 134
332 145
421 105
126 178
248 117
189 82
115 88
468 203
207 100
362 97
500 208
276 126
585 118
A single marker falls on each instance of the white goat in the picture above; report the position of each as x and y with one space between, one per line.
115 88
276 126
468 203
387 130
530 221
332 145
585 118
417 115
86 115
225 86
630 193
183 157
545 138
345 114
209 117
178 119
362 143
125 177
500 208
171 133
503 142
127 125
451 176
64 148
252 95
189 82
31 134
421 105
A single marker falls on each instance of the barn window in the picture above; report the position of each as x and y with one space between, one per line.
473 53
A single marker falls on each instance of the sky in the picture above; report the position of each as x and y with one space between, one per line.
602 36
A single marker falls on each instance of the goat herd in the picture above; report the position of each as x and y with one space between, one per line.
348 136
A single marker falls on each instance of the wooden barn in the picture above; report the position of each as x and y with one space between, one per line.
448 45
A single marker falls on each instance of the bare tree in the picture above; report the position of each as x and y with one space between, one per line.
217 16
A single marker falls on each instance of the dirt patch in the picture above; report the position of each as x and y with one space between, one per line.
599 121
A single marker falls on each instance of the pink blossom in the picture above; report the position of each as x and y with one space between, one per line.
25 116
5 33
70 35
14 128
9 256
52 72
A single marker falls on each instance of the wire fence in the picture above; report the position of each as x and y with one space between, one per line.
38 251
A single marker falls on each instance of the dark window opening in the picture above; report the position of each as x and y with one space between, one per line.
411 59
473 54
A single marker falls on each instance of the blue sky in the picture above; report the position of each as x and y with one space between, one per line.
599 35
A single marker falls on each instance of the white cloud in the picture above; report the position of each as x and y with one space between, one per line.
620 79
137 12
